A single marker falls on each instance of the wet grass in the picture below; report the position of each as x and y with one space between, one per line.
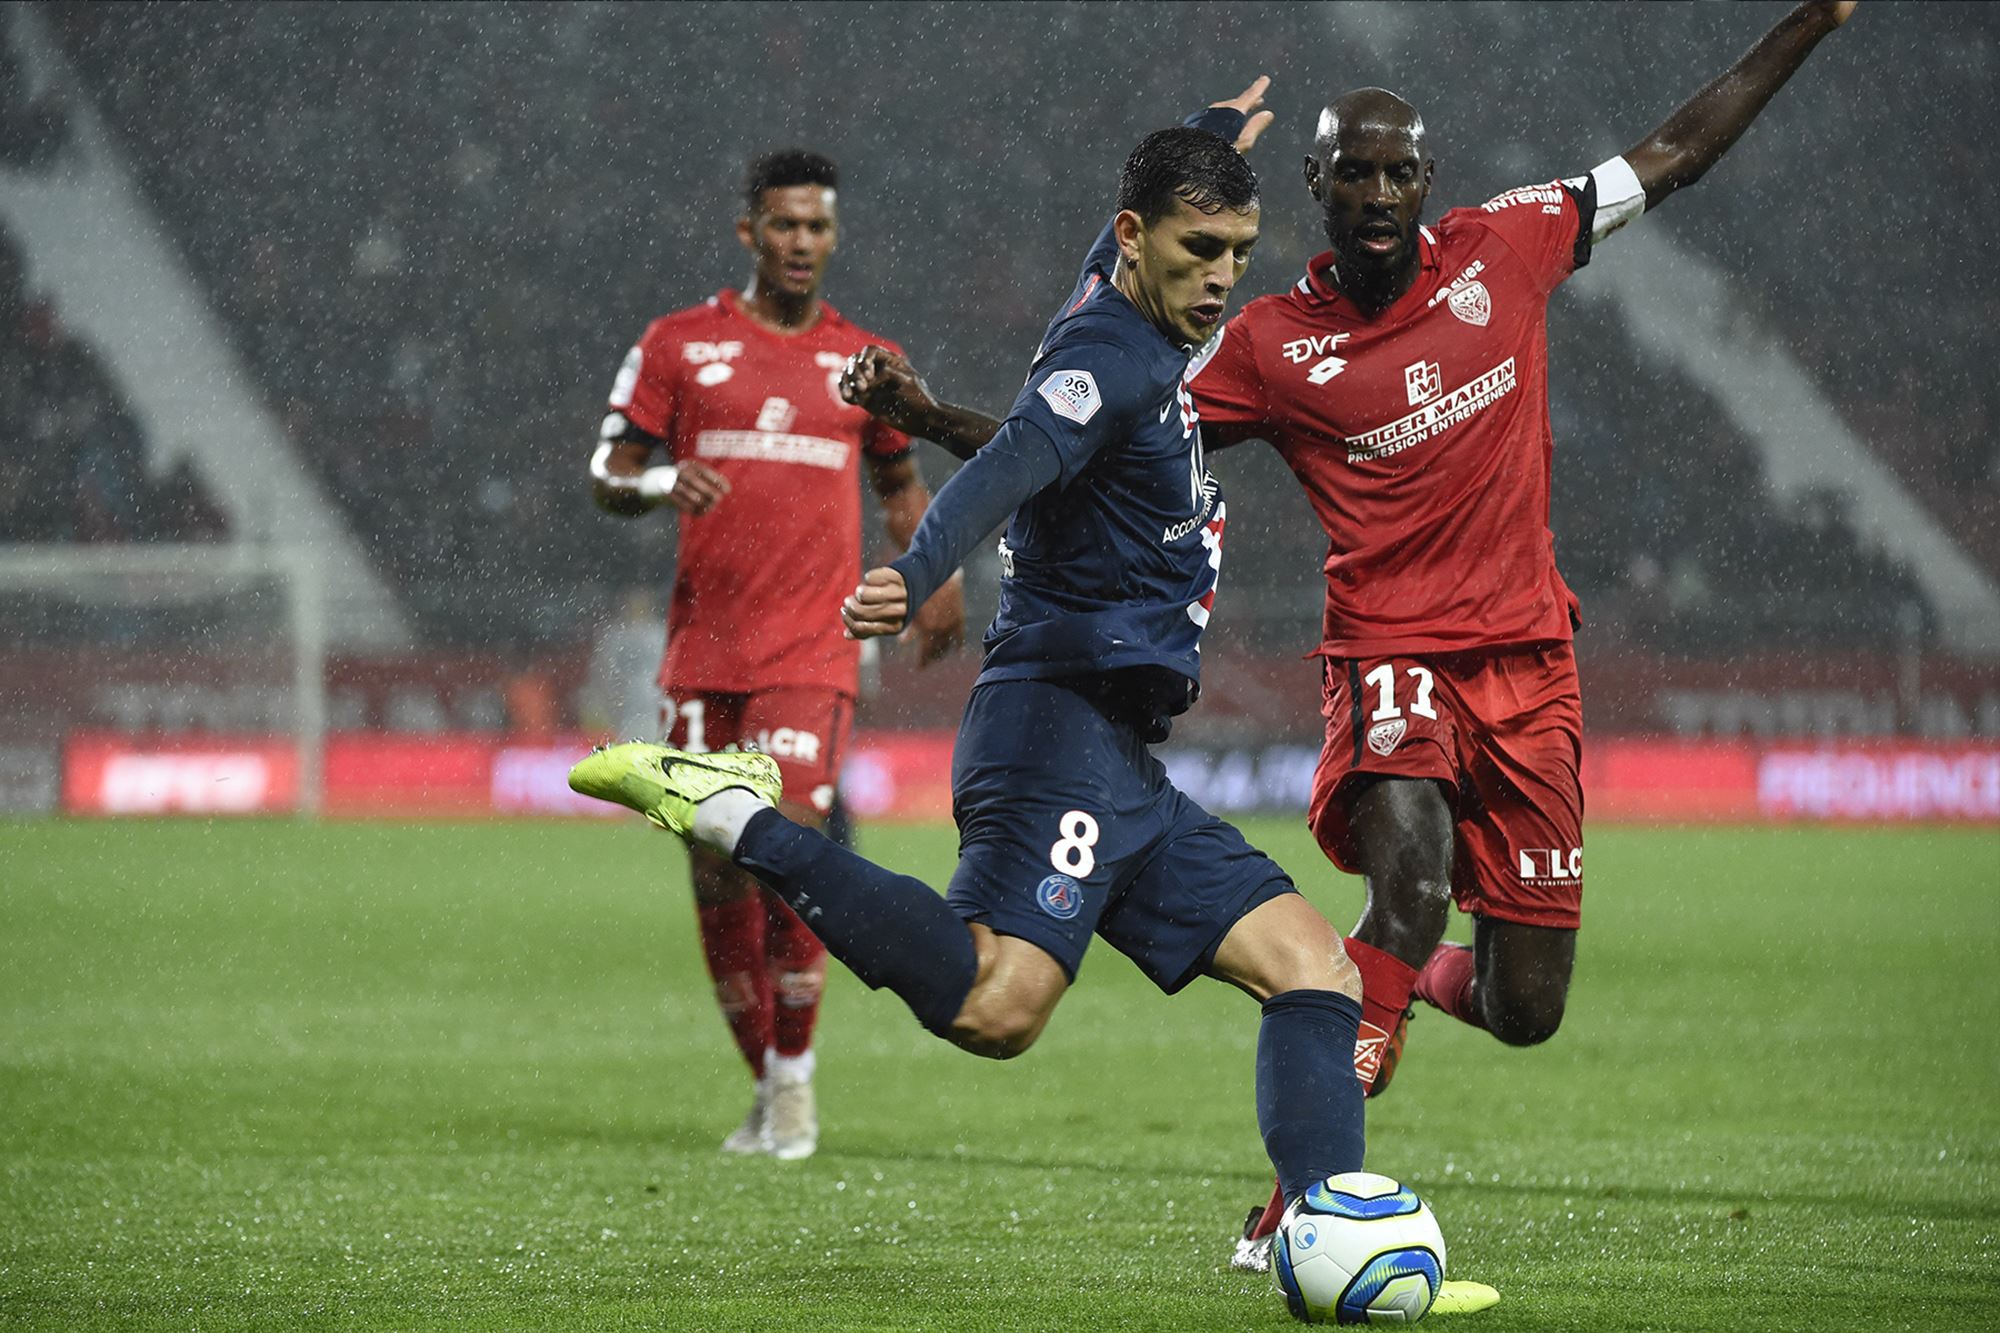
400 1076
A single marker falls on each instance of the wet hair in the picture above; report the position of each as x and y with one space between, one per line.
1185 163
786 166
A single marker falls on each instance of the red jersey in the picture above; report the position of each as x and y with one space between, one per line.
1422 435
759 578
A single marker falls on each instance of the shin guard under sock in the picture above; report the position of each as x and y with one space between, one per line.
1308 1098
796 963
1385 995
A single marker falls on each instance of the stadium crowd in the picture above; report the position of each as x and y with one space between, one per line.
434 231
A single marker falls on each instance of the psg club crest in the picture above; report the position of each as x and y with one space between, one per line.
1060 896
1386 736
1472 304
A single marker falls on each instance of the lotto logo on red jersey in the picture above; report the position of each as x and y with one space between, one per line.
1545 865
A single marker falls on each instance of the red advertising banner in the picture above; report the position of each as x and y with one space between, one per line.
110 775
408 776
907 776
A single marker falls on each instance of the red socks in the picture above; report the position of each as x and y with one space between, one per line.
768 971
795 965
732 939
1385 993
1446 983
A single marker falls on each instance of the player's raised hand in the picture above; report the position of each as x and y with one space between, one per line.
697 488
1832 12
887 386
1249 102
879 606
940 623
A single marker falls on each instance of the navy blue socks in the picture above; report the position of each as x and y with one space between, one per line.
890 930
1308 1099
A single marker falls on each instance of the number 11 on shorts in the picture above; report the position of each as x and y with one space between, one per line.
1383 678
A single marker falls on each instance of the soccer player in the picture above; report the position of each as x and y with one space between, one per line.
1404 380
729 412
1067 824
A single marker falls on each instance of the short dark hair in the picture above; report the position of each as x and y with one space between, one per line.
786 166
1185 163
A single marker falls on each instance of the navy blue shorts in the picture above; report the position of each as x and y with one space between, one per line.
1067 825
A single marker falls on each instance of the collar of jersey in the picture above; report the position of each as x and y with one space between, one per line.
729 299
1318 286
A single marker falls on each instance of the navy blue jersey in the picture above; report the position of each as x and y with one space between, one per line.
1109 565
1115 565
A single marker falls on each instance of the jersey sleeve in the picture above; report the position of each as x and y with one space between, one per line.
1228 385
1547 226
1082 395
643 395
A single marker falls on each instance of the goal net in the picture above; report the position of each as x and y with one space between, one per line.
157 678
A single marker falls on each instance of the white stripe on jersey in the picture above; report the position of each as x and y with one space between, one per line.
772 446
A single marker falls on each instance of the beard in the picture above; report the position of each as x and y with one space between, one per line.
1368 275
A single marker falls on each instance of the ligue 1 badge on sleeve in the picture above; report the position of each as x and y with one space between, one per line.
1072 394
1472 304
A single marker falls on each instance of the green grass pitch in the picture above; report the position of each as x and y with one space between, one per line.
266 1075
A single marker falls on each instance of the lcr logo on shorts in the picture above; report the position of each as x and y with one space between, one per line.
1060 896
1545 864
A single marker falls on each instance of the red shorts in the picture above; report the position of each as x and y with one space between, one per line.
1503 731
805 728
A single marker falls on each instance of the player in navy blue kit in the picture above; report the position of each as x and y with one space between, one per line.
1067 823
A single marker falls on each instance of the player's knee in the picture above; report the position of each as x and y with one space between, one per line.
998 1032
1525 1020
1314 964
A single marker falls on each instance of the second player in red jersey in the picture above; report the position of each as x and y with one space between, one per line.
1404 380
730 412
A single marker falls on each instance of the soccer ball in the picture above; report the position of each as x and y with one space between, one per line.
1358 1248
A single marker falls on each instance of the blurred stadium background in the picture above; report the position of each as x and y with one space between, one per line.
307 318
307 314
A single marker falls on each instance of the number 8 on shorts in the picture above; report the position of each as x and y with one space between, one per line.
1073 853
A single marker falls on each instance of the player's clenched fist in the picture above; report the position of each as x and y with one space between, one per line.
887 386
877 607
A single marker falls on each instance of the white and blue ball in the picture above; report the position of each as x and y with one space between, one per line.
1358 1248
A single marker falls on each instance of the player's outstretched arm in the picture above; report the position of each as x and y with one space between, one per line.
1694 138
623 481
887 387
939 623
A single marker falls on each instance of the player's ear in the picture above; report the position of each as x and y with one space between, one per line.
1128 231
746 233
1312 177
1430 167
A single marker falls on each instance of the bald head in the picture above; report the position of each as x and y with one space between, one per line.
1373 110
1370 172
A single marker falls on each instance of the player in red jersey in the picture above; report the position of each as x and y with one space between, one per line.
741 395
1404 381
